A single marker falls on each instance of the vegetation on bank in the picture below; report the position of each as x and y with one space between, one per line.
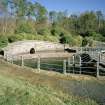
24 19
16 89
12 94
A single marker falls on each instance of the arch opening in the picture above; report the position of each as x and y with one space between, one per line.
2 52
32 51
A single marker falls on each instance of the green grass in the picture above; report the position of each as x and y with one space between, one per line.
18 88
21 92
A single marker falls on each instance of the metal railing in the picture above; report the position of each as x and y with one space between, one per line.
72 64
66 66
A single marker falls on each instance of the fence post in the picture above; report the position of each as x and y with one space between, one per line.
22 61
97 69
38 64
73 63
68 62
64 66
12 59
100 57
81 50
6 58
64 47
80 63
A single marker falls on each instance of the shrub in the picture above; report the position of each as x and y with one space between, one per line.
38 37
25 27
12 38
66 38
98 37
84 42
50 38
43 31
77 40
55 32
3 41
58 31
16 37
26 36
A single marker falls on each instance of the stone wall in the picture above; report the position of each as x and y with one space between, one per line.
25 46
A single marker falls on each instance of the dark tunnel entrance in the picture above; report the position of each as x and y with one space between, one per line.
32 51
1 52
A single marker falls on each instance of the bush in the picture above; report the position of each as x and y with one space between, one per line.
3 41
84 42
50 38
77 40
58 31
98 37
66 38
12 39
26 36
43 31
25 27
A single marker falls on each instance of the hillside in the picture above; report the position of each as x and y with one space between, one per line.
31 20
23 87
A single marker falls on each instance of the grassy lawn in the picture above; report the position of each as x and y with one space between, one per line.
23 87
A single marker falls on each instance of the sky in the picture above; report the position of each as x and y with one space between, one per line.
74 6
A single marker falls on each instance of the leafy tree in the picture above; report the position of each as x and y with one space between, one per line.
4 9
87 23
21 7
40 12
99 18
53 16
30 10
74 22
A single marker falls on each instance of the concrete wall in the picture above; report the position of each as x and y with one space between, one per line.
25 46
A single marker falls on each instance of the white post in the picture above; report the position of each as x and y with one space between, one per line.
64 66
68 62
12 59
100 57
80 63
81 50
64 47
22 61
38 64
73 63
97 69
6 58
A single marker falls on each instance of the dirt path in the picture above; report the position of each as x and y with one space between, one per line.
84 86
44 55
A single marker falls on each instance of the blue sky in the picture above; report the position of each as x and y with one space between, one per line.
74 6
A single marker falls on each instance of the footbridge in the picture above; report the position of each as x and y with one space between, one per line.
91 59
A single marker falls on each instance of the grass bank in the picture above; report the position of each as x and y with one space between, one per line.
23 87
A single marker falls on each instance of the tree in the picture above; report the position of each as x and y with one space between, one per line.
74 22
21 7
99 18
87 23
53 16
4 9
30 10
40 12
